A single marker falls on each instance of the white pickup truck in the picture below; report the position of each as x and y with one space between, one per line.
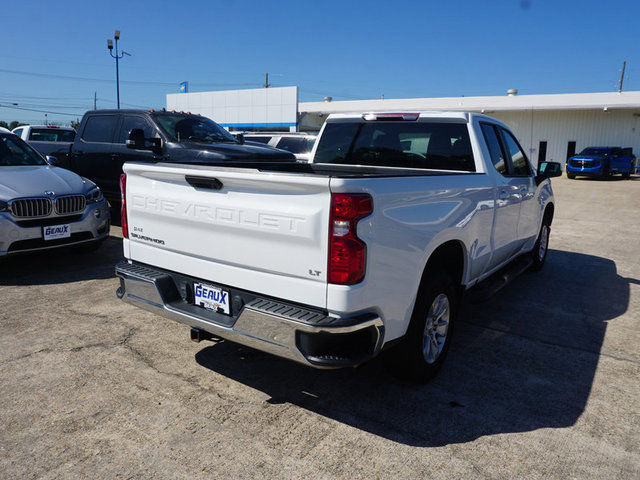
368 246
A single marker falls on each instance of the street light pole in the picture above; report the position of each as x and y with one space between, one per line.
117 56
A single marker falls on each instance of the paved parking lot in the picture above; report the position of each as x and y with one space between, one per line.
543 380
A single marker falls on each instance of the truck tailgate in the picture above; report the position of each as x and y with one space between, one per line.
232 226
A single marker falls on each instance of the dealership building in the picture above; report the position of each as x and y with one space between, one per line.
549 127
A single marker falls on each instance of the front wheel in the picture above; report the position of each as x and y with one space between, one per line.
540 249
571 176
423 351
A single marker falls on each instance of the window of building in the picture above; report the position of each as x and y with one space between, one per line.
542 152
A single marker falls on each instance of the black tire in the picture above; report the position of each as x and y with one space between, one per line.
571 176
421 353
540 249
605 173
626 175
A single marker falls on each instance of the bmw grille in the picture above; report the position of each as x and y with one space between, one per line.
70 204
30 207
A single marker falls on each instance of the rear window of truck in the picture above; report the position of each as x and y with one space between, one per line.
424 145
51 135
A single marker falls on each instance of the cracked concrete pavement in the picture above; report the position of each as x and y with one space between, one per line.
543 380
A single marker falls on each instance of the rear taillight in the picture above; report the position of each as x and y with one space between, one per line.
123 208
347 253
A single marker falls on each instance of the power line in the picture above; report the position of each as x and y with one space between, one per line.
40 111
129 82
335 95
12 96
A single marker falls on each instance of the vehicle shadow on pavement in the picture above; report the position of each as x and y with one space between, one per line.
62 265
521 361
612 178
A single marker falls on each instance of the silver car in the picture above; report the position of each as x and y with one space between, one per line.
42 206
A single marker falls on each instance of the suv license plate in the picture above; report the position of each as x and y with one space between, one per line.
211 298
56 231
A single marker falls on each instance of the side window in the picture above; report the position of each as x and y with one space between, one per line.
258 139
100 128
292 144
130 122
18 132
67 136
497 158
518 158
310 143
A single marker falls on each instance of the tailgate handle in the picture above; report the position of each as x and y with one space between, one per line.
204 182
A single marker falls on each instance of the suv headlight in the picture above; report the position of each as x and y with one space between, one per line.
94 195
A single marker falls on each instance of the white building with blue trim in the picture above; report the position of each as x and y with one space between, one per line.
549 127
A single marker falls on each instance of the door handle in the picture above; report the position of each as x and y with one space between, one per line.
115 156
204 182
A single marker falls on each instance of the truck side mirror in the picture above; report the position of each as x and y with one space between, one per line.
136 139
548 170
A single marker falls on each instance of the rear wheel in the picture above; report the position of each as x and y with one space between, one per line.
423 350
571 176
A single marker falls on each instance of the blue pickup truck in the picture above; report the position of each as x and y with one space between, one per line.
601 162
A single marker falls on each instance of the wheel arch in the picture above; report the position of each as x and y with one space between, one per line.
547 216
449 257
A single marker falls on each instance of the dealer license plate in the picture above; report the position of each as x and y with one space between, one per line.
54 232
211 298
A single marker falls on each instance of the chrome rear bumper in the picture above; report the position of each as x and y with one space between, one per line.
301 334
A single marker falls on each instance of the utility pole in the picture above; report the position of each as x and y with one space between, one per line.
266 81
95 100
624 64
117 57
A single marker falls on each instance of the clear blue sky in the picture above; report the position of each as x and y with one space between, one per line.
55 56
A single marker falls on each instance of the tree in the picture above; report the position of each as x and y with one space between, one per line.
15 124
4 124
